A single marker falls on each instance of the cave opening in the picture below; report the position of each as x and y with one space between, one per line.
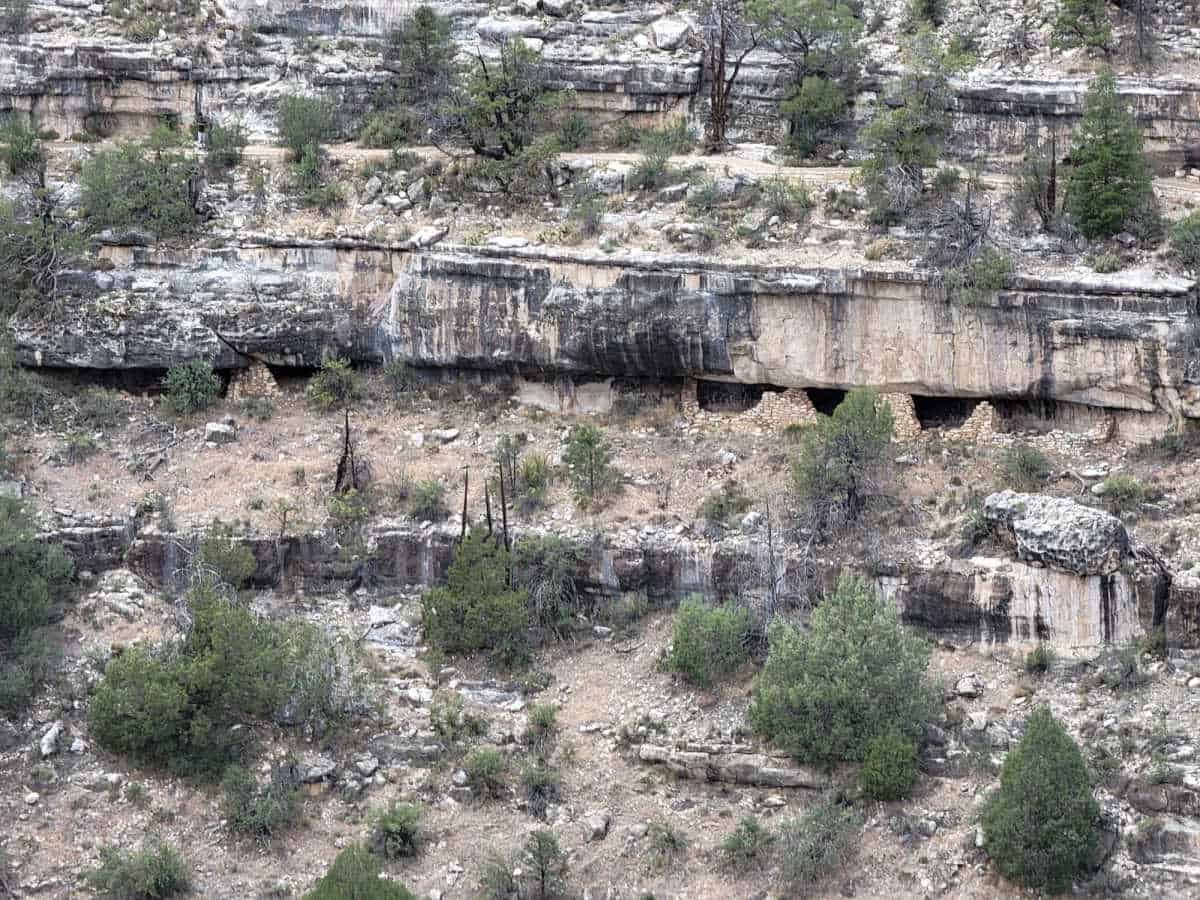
728 396
825 400
943 412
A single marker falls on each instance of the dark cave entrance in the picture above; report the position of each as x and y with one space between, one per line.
943 412
728 396
825 400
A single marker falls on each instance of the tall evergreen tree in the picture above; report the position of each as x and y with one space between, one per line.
1110 179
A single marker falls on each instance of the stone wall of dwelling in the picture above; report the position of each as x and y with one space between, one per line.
253 382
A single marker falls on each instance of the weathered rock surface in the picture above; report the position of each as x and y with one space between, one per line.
1077 340
734 764
1059 533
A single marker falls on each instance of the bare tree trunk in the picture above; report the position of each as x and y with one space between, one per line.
466 484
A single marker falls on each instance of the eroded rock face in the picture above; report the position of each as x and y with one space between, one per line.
1079 340
1059 533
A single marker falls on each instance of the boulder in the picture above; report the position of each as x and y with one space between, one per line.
670 33
219 433
595 826
49 742
1057 533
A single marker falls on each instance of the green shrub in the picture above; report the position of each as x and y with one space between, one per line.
1082 23
855 674
259 810
427 501
665 842
544 864
1110 180
420 52
653 170
1023 468
477 610
191 387
747 845
1039 659
1123 493
726 505
929 12
674 138
155 872
587 212
1185 242
336 386
390 128
588 456
545 566
176 706
574 132
356 875
812 846
150 184
534 477
33 578
814 110
224 146
1106 262
889 768
842 457
704 196
981 278
486 769
304 123
790 200
1041 826
396 832
97 408
543 725
21 150
230 559
709 643
541 784
450 722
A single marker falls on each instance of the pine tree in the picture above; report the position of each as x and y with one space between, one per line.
1040 827
1110 179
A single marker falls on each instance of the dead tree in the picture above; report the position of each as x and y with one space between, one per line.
725 32
353 471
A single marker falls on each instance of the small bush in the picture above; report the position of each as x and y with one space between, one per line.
543 724
427 501
588 214
33 578
224 146
191 387
545 866
704 196
1185 242
304 123
652 171
1024 468
946 181
1106 263
841 203
574 132
232 560
815 844
889 768
665 843
1123 493
260 810
790 200
588 456
487 772
546 567
97 408
979 279
815 109
336 386
356 875
396 831
747 846
673 138
726 505
21 150
855 674
151 184
541 784
1040 826
477 610
534 477
1039 659
155 872
709 643
450 722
